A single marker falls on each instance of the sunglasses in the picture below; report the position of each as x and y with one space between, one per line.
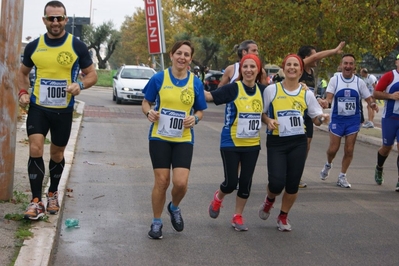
55 18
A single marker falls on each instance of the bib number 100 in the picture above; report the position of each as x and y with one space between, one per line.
176 123
56 92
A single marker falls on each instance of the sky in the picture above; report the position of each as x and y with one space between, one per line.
101 11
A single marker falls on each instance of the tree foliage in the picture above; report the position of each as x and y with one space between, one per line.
281 27
133 48
102 36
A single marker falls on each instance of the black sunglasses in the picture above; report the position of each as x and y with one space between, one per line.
53 18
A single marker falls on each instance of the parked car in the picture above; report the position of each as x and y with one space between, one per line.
212 80
129 82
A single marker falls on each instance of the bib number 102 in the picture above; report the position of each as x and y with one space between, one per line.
176 123
253 124
56 92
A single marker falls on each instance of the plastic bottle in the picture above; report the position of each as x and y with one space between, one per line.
72 223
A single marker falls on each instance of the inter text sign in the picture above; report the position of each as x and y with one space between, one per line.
153 27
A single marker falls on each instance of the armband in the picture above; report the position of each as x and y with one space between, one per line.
82 87
196 119
22 92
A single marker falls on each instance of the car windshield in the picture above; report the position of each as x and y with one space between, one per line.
137 74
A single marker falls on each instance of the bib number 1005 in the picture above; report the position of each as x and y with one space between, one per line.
56 92
176 123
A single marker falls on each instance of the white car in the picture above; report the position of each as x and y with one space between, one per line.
129 82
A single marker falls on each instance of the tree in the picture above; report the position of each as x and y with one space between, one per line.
102 36
133 48
281 27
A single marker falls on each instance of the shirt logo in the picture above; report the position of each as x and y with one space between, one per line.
65 58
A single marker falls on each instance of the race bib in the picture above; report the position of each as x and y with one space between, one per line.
290 123
346 106
248 125
53 92
170 123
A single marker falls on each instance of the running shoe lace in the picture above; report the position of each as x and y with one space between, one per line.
177 216
32 207
283 219
216 205
52 201
156 227
238 220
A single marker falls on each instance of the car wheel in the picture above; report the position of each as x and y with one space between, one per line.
113 95
118 100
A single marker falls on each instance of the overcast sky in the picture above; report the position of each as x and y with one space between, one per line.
102 11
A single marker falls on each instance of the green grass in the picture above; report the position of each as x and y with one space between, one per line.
105 77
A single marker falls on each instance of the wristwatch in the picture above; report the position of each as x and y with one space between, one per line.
82 87
196 119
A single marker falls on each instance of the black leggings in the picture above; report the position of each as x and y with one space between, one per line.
286 158
232 161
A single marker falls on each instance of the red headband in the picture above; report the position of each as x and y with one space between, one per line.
251 56
296 56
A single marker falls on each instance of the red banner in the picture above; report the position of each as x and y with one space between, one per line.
153 28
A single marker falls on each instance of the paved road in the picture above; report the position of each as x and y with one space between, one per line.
111 178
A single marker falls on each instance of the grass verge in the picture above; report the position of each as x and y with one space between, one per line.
105 77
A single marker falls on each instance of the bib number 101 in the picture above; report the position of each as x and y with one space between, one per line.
56 92
176 123
295 121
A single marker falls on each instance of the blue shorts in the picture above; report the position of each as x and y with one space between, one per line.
390 131
344 128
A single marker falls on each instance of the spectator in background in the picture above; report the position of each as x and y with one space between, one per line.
197 72
371 82
279 76
322 88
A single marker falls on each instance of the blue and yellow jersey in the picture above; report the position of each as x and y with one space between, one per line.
56 68
174 101
289 111
242 119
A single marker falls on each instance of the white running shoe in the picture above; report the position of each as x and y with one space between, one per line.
368 124
325 171
343 182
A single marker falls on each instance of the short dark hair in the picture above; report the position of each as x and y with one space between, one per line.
55 4
243 46
179 44
305 51
350 55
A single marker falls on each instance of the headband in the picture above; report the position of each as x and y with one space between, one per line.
296 56
253 57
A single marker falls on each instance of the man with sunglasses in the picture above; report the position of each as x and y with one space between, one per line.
57 57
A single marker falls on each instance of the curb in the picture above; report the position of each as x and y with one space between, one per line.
37 251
